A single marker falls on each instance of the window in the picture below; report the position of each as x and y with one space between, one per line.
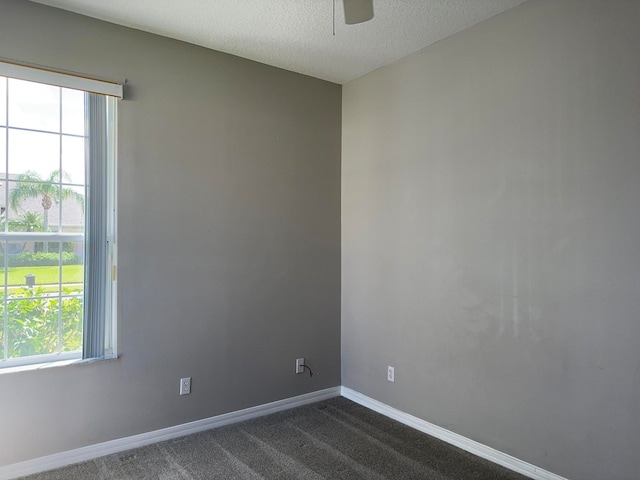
57 216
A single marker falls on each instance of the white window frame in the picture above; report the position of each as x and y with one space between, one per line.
88 85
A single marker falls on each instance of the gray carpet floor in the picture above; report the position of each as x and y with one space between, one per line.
333 439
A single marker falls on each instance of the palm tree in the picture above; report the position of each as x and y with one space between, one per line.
28 222
32 185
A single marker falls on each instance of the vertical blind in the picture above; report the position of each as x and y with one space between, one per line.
96 247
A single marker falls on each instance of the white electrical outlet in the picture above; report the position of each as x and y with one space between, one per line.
391 374
185 386
299 365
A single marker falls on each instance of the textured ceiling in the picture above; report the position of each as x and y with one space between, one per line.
298 35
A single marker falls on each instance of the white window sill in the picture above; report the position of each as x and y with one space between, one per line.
54 364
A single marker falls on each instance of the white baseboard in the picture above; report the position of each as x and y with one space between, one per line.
452 438
83 454
90 452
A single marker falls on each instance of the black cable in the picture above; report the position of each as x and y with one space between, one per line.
310 372
334 18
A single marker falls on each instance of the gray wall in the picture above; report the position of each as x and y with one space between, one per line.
491 235
229 221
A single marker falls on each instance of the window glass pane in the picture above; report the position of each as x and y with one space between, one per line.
40 320
72 268
52 216
11 216
3 100
25 221
3 154
72 209
72 112
38 277
32 326
2 336
35 205
34 153
71 318
34 105
11 248
73 159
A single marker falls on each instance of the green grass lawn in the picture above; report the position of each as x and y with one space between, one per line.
46 275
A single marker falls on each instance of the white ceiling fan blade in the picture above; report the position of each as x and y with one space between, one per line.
357 11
